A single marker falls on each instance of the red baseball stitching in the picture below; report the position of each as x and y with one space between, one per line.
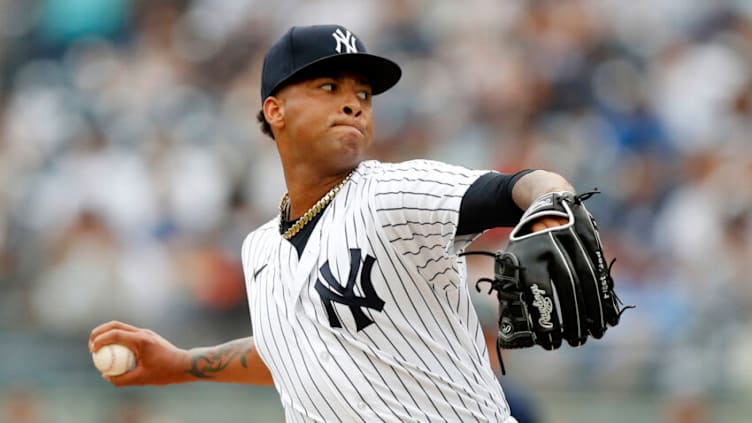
112 359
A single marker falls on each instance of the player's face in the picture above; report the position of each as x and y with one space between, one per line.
327 120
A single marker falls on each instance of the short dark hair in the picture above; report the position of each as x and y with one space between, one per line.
265 127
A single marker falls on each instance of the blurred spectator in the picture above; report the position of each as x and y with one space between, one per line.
22 405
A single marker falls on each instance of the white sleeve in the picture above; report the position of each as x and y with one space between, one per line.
418 205
245 257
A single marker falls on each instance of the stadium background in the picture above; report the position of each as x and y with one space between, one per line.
131 168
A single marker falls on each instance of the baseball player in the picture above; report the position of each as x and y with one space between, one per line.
359 303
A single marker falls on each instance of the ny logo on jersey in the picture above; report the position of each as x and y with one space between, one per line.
345 39
336 293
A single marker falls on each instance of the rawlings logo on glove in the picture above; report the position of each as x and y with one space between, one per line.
564 262
544 305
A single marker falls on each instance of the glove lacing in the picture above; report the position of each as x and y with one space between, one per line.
619 303
496 285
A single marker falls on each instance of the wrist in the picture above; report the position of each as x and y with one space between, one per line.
182 361
538 184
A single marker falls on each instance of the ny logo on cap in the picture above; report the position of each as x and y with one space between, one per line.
346 39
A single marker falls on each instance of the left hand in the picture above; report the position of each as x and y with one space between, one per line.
546 222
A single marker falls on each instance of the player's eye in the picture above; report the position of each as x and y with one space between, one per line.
327 86
364 95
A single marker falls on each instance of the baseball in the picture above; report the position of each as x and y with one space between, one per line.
114 359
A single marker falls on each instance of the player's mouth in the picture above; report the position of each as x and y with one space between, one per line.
357 127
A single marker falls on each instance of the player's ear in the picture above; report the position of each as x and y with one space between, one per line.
274 112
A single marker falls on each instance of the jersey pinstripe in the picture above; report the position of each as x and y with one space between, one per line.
374 322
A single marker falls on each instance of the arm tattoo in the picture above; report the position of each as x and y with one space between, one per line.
206 363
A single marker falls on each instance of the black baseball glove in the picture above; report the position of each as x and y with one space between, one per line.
554 284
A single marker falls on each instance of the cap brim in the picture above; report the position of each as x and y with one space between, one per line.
381 73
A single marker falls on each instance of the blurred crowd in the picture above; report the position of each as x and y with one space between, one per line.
132 167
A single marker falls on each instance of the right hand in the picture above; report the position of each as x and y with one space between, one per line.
158 362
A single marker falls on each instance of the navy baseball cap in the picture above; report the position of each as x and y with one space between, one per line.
306 50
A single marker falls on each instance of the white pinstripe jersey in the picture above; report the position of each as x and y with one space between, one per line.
374 322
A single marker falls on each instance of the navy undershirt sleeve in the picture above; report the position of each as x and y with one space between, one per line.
488 203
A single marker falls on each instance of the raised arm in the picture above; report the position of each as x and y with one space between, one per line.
159 362
496 200
536 183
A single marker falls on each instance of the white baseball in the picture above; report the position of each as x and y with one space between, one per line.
114 359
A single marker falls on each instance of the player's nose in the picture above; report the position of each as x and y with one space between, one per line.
351 106
351 103
351 111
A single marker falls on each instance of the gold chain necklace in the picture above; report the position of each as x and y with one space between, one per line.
284 209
